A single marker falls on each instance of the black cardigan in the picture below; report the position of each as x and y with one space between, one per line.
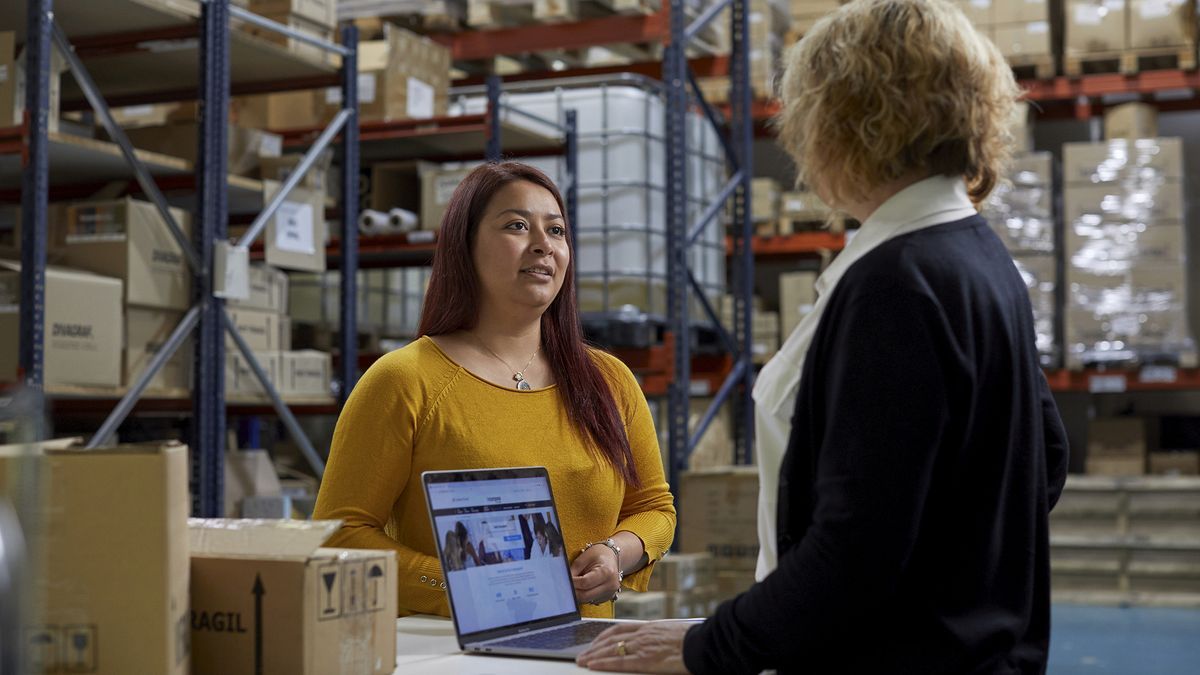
925 455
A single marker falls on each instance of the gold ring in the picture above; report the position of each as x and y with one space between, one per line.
621 648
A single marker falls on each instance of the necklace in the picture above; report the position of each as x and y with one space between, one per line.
518 375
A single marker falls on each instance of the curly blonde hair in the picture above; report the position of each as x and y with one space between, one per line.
882 88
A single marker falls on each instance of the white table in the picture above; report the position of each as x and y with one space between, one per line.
427 645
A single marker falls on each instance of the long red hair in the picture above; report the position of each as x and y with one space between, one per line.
452 303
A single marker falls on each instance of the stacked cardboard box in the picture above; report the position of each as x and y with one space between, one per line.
1175 463
689 583
805 13
1116 446
246 147
1095 27
437 186
764 330
129 240
797 296
314 18
1021 212
337 607
403 76
1020 29
12 84
122 607
389 301
764 200
82 340
1126 260
718 515
803 211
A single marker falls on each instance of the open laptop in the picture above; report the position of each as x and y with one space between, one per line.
501 546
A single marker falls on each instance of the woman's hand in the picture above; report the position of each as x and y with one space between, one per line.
595 574
655 647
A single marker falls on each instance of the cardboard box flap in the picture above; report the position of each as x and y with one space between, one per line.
64 272
258 538
73 445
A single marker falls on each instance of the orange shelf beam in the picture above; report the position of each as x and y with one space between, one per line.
804 243
473 45
1150 378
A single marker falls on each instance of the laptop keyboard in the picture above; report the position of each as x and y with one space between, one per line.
564 637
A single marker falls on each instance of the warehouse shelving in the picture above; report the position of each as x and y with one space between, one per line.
125 52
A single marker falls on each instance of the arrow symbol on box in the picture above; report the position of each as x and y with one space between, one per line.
258 632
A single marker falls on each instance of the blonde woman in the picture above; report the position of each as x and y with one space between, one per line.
906 422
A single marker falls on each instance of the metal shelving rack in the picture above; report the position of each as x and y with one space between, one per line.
736 388
207 317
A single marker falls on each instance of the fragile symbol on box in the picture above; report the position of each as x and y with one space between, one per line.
354 588
330 606
43 645
376 592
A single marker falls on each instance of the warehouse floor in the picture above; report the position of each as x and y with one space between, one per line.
1140 640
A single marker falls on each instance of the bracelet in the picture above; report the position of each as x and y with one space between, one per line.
612 545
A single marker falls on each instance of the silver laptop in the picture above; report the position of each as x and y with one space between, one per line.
501 546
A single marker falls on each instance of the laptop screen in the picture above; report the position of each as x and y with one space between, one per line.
502 551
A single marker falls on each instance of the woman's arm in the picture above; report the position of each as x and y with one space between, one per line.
369 463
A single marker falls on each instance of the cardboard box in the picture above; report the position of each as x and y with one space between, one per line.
299 24
1095 26
797 295
321 610
979 12
316 179
641 606
1117 437
82 339
248 473
718 515
1161 23
296 235
285 110
128 239
323 12
397 185
240 381
403 76
691 604
15 114
1030 38
1115 203
145 332
8 80
262 330
1032 168
764 200
683 572
1115 466
437 186
731 584
1118 159
1158 244
1175 463
181 139
112 584
801 205
268 290
305 372
1020 11
1131 120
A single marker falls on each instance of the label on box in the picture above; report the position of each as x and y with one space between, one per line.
270 145
1158 374
294 228
3 72
1155 9
366 87
1089 15
981 4
127 111
1038 28
1106 384
444 187
420 99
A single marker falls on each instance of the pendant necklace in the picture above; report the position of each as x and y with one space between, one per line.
518 375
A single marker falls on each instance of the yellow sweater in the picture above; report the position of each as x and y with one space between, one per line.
415 410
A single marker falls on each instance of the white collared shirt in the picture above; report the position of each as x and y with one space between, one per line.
923 204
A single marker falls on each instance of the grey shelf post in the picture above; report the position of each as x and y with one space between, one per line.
349 245
741 128
675 80
211 218
35 188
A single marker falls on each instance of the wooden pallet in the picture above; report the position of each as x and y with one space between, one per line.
1040 67
1131 61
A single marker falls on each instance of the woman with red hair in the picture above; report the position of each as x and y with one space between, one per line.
501 377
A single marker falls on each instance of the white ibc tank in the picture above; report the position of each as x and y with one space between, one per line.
621 223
